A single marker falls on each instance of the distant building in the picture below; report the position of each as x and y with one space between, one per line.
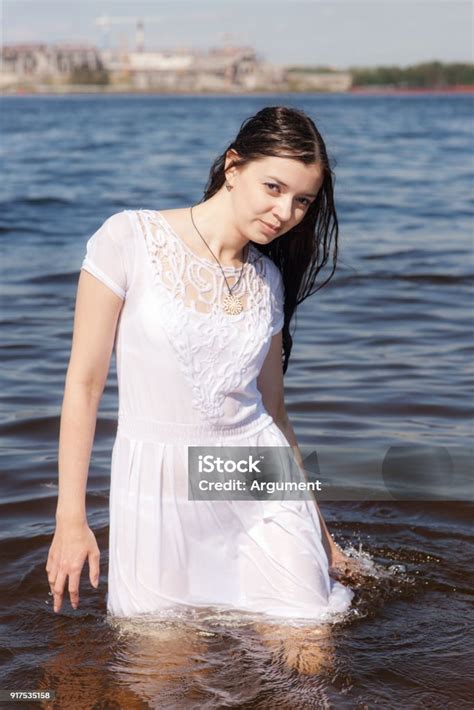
39 62
186 70
228 69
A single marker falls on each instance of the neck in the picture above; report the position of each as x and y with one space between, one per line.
215 221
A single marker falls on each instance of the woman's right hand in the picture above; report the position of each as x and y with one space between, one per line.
72 544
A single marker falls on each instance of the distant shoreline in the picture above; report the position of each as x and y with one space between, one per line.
456 89
123 90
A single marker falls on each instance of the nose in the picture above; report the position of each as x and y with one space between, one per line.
282 210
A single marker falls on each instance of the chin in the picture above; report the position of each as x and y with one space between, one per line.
262 238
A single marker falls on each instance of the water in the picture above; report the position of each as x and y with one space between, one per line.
381 359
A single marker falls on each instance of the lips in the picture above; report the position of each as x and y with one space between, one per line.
270 226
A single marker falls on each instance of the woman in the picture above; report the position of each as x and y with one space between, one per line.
198 303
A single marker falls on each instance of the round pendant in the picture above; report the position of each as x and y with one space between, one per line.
232 305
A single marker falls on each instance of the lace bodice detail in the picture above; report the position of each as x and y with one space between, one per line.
186 328
198 283
215 350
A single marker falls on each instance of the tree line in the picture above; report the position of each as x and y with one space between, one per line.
418 75
428 74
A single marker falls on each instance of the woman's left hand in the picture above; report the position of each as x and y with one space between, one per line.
342 567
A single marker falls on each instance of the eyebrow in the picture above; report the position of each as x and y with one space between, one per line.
308 194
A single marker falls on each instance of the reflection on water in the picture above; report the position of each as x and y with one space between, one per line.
211 657
413 574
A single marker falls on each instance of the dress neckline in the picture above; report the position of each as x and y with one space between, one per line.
188 249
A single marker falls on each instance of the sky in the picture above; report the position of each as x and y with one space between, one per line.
338 33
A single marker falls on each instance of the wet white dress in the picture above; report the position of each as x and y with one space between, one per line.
187 377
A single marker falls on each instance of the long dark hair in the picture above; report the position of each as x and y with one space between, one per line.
302 252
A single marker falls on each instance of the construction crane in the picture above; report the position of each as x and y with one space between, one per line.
105 22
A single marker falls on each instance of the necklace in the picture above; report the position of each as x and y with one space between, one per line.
232 304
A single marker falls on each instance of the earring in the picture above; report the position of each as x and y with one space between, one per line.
228 186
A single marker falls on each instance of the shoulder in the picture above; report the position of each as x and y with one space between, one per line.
120 221
119 227
115 234
175 217
276 289
272 271
175 213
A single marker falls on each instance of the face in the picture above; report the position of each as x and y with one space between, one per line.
272 192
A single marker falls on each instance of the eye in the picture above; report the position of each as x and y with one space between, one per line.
271 184
303 200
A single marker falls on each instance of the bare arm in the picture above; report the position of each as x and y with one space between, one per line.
95 321
270 384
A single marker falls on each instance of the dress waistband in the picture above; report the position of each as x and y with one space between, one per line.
188 434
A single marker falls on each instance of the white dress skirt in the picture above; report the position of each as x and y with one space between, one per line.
187 376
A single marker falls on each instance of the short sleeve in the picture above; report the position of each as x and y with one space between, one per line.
106 253
277 299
